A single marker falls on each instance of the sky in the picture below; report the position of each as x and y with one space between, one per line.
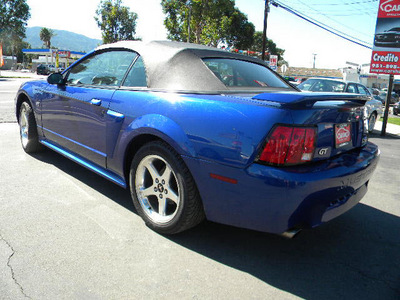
299 38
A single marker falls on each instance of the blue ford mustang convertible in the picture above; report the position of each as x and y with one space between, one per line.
195 132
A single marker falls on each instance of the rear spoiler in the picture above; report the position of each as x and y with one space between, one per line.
303 99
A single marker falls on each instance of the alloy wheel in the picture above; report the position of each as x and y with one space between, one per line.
157 189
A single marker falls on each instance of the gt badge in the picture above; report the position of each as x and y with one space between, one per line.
323 152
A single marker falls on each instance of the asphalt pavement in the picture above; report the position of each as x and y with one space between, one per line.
66 233
9 84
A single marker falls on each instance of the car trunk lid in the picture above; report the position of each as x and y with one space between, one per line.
340 119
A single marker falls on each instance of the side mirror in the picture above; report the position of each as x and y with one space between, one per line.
55 78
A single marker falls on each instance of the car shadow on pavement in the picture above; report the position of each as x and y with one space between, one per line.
355 256
116 193
388 136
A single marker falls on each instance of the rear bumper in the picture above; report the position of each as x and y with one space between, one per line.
276 199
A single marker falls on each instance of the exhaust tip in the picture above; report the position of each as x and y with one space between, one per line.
291 233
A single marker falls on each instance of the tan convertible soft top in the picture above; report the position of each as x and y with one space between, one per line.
176 66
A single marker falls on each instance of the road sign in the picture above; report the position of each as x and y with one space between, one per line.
273 62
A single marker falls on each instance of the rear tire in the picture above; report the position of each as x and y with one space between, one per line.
371 122
163 190
28 129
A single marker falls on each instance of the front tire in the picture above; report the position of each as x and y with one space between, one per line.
163 190
28 129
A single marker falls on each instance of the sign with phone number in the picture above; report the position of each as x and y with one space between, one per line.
386 51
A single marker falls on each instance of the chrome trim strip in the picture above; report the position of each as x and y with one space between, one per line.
75 142
99 170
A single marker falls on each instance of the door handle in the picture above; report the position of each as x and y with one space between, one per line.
95 102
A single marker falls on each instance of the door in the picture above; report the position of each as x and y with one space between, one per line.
75 116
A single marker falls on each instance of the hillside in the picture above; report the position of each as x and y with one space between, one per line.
62 40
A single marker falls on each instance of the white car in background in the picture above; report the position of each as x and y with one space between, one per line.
374 107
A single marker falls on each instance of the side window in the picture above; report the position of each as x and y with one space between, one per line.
351 88
103 69
240 73
362 90
137 75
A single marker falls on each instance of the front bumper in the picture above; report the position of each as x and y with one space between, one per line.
387 43
274 199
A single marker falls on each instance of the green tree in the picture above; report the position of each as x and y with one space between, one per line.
45 36
207 22
13 17
116 22
271 47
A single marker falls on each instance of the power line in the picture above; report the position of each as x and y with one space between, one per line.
321 25
344 3
329 17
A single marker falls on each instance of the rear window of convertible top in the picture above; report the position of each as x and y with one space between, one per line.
240 73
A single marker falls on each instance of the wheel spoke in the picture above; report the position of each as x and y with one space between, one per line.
162 206
172 196
152 170
166 175
148 191
25 120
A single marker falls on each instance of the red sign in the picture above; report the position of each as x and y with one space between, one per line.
273 62
386 52
342 134
63 53
389 9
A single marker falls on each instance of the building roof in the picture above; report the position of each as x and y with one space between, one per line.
313 72
50 51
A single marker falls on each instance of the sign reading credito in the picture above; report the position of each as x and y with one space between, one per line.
386 52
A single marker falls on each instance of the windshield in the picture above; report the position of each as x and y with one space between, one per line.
321 85
239 73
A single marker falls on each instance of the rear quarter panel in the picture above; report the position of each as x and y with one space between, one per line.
222 129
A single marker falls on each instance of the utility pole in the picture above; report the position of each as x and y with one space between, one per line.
190 14
314 60
388 96
264 41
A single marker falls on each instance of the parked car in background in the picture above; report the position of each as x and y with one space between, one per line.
195 132
374 106
42 70
374 91
291 80
393 98
52 68
396 108
388 38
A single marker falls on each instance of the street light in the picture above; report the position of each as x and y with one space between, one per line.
314 60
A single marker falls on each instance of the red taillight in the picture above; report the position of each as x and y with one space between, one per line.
289 145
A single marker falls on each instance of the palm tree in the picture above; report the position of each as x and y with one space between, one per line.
46 35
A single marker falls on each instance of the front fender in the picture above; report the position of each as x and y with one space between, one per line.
33 93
